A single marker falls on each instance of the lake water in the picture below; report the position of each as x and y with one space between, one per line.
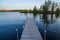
9 21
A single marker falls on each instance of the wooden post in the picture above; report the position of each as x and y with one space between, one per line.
17 34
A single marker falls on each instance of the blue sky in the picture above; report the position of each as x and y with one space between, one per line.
21 4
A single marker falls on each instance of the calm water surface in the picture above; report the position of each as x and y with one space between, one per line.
9 21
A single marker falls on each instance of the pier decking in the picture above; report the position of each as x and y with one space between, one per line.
30 31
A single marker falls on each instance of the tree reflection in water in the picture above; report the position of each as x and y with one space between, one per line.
47 19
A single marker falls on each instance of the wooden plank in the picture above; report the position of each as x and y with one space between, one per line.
30 31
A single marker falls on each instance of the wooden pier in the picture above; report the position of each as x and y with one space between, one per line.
30 31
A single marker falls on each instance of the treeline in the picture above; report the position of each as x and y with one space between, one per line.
48 7
22 11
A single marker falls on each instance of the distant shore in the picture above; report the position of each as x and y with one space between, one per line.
23 11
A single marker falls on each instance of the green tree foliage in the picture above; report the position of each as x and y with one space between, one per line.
35 10
46 6
54 5
57 12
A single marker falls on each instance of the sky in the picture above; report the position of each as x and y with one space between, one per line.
22 4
